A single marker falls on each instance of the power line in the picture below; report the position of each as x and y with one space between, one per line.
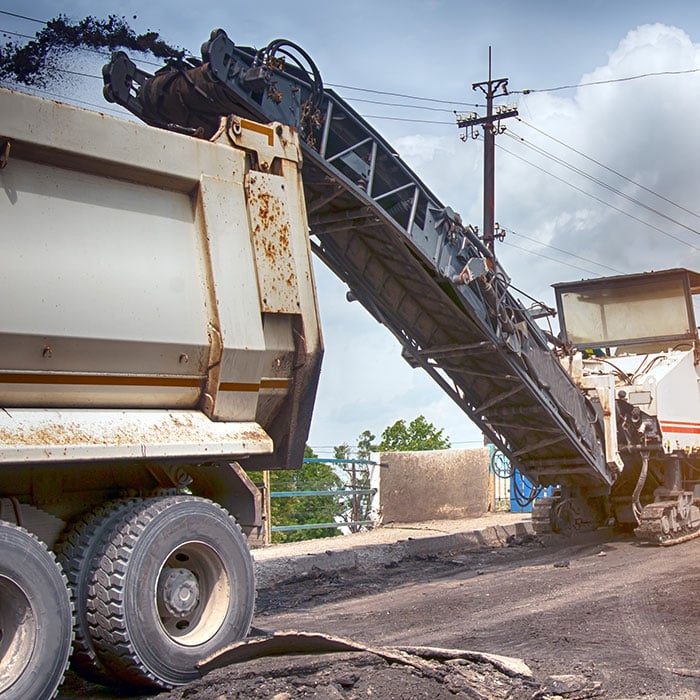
609 169
598 199
547 257
81 75
455 103
397 104
404 119
601 183
606 82
29 19
562 250
22 36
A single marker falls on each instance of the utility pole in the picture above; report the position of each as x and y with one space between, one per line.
491 126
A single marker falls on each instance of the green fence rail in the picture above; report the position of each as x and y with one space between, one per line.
354 467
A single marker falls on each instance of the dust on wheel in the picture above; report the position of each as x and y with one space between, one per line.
36 618
173 582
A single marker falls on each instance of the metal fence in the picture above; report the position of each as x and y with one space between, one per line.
360 478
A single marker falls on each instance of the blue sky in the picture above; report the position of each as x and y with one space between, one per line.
643 129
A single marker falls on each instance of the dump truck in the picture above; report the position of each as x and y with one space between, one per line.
160 330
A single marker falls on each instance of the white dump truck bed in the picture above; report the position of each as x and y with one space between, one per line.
150 278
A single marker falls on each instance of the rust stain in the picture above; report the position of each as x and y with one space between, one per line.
272 238
284 234
270 250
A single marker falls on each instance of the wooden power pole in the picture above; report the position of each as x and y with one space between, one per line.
491 88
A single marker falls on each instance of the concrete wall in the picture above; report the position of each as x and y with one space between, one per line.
433 485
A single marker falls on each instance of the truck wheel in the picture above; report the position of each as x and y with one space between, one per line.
173 583
36 618
76 554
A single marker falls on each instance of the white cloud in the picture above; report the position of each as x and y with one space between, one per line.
634 127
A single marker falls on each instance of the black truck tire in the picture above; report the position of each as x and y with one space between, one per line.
76 554
173 583
36 617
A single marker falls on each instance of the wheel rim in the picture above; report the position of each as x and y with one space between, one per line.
193 594
18 632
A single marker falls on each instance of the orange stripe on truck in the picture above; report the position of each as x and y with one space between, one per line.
264 384
260 129
99 380
134 380
682 427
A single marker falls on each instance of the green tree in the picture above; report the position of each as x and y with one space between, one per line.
357 477
342 451
304 510
418 435
365 444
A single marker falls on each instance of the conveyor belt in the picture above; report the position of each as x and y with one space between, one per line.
405 256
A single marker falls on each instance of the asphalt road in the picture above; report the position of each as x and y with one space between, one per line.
603 606
625 614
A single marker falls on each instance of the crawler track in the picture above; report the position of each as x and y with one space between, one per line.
662 524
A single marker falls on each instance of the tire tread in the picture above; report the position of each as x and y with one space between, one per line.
106 610
76 554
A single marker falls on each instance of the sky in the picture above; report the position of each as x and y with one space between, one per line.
591 179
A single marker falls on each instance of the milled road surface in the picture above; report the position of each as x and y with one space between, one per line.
617 612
